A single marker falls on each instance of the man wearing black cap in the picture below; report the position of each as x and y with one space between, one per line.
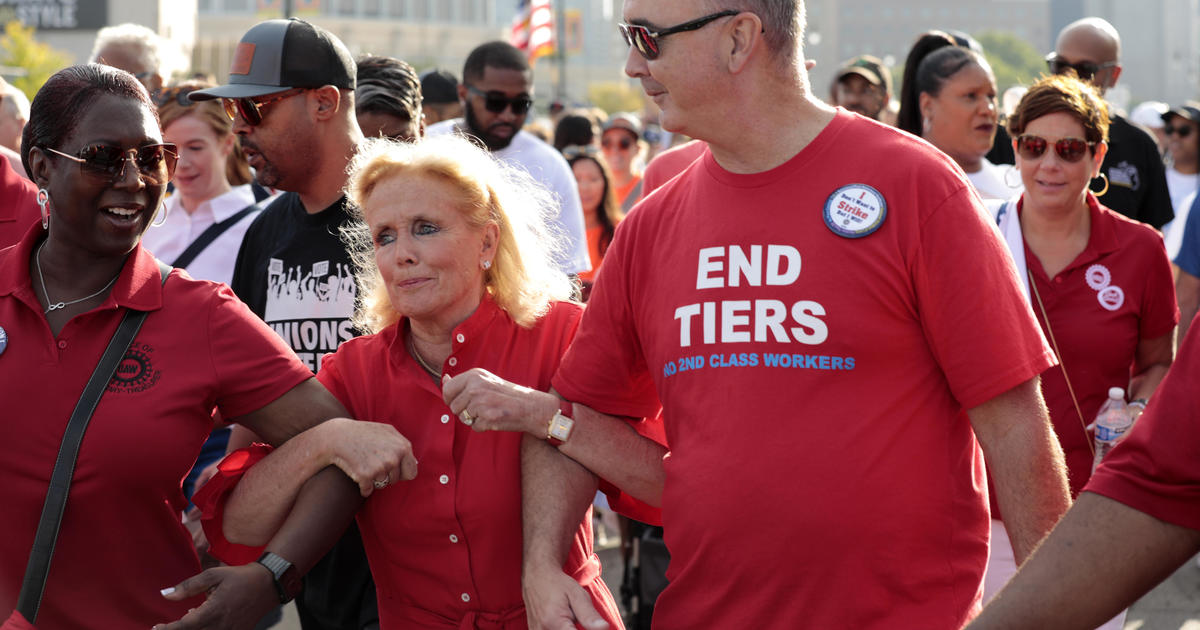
863 85
1137 185
1181 126
291 96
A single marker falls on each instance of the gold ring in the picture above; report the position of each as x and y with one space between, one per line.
466 418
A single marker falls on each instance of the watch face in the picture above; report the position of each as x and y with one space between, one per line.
560 427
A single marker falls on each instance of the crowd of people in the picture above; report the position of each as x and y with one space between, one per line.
366 380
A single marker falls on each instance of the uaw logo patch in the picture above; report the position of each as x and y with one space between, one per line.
135 373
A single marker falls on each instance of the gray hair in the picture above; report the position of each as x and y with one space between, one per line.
16 104
149 45
783 21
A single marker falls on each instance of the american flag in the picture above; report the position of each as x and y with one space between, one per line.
533 28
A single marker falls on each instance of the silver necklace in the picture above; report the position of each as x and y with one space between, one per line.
51 304
412 349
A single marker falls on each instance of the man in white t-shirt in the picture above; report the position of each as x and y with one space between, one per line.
496 93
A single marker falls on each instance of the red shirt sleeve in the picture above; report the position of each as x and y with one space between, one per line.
211 499
253 365
1160 311
963 267
604 367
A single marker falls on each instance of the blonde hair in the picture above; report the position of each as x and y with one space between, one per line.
523 279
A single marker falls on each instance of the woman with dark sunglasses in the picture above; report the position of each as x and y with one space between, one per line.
94 149
1099 283
1181 126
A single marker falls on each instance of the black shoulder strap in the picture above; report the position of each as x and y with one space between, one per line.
38 568
208 236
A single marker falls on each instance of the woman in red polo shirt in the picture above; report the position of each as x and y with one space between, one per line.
457 277
94 149
1100 284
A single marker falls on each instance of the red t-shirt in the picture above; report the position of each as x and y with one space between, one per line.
823 471
445 548
121 538
670 163
18 205
1118 291
1156 467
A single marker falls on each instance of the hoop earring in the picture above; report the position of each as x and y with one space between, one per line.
43 202
1009 171
1104 190
158 221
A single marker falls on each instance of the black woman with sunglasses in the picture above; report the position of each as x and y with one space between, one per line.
1100 284
94 149
1181 126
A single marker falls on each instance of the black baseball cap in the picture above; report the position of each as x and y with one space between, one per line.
279 55
870 68
1190 110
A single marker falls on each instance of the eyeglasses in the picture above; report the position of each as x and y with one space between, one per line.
1182 131
177 94
646 40
1072 150
572 151
496 102
1085 70
623 143
155 162
251 110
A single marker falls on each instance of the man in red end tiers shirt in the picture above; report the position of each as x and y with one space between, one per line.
833 329
1136 521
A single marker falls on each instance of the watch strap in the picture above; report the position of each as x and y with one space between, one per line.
283 573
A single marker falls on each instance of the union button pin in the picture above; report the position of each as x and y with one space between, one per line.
855 210
3 341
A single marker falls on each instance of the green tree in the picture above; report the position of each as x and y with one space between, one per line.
20 49
1014 60
615 96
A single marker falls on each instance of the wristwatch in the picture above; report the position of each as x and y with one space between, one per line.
287 578
561 424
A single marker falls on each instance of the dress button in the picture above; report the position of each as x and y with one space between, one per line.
460 338
445 479
445 418
1058 280
453 361
453 538
62 345
466 598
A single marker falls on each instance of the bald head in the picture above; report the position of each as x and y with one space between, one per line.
1092 40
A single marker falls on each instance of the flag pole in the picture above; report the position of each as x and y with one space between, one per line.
560 87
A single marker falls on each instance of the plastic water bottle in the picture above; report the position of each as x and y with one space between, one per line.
1111 423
